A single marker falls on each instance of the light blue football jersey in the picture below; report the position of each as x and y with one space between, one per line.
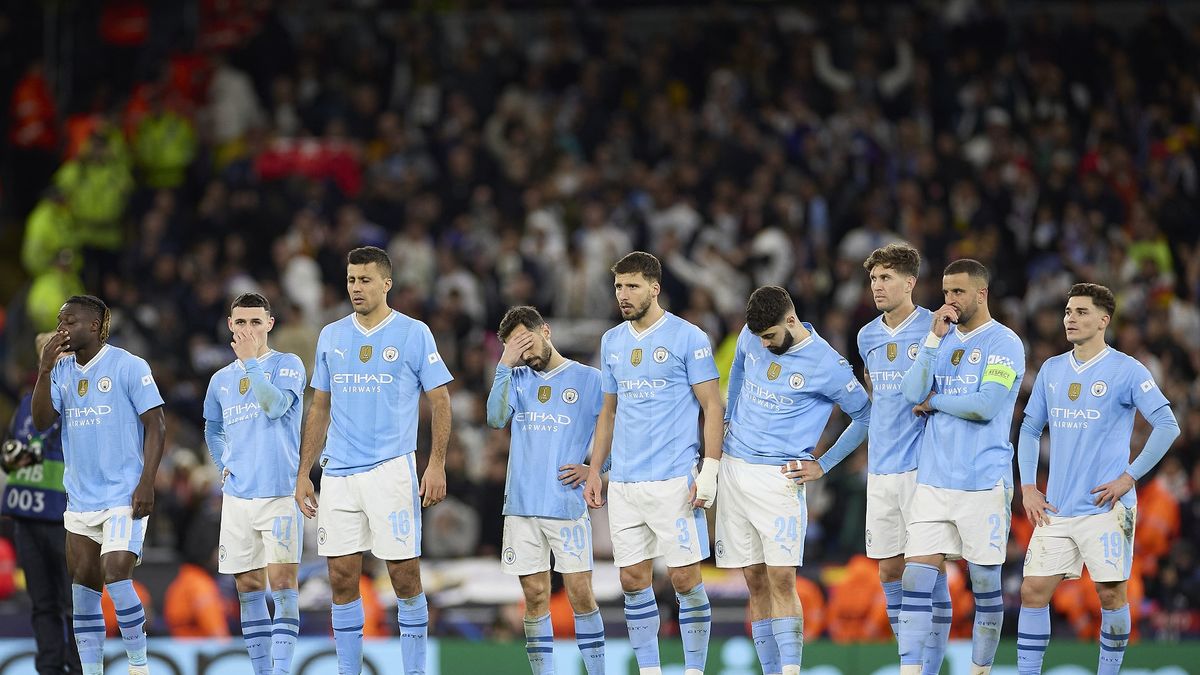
374 378
894 437
1090 408
102 432
779 405
553 418
964 454
261 454
656 435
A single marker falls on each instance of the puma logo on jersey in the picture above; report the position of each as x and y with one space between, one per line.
340 352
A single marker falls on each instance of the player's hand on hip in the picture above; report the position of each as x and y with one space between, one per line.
306 497
924 409
573 475
593 492
1114 490
704 489
515 348
143 499
802 470
1036 506
433 485
943 318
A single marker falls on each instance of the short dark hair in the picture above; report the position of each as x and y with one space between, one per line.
97 306
519 316
640 262
768 306
371 254
250 300
972 268
900 257
1100 295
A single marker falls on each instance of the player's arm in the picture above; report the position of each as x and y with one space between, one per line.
737 376
214 438
155 424
999 377
849 395
918 381
1149 400
312 439
43 410
1028 451
273 400
433 482
499 409
709 395
601 447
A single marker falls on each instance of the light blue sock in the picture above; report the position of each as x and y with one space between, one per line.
539 645
916 611
695 624
88 623
1115 627
765 645
413 616
1033 636
789 635
131 618
939 636
256 630
589 635
348 623
894 592
641 617
286 628
989 613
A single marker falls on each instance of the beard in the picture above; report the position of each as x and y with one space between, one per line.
639 312
788 341
540 361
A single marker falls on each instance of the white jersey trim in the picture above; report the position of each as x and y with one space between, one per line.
369 331
657 324
95 359
1080 367
967 336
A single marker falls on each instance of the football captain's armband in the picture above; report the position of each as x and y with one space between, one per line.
999 369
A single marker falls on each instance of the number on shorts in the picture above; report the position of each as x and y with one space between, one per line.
685 537
401 525
116 532
787 528
1113 546
282 528
573 539
996 523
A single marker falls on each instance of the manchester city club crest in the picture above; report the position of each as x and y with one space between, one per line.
223 553
660 355
82 387
243 385
510 556
720 549
635 357
570 396
796 381
390 354
975 357
912 351
321 536
544 393
956 357
104 385
893 350
1099 388
773 371
1073 390
364 353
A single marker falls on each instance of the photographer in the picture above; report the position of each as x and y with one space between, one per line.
35 499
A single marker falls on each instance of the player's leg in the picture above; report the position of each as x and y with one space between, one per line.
1033 626
682 534
285 626
87 582
1115 625
342 535
885 539
279 528
930 539
787 620
571 542
240 553
634 548
942 615
983 518
760 613
345 572
120 552
539 633
393 510
695 616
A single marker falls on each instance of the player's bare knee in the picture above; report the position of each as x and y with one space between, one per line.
117 566
756 579
250 582
636 577
405 576
537 594
579 592
282 576
685 578
1037 591
1112 594
891 569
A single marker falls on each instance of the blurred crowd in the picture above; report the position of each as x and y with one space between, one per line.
509 157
